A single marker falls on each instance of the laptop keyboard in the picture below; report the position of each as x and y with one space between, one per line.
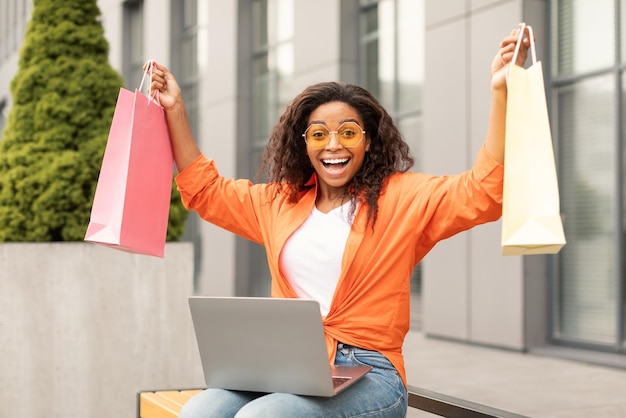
338 381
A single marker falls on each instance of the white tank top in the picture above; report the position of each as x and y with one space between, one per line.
311 257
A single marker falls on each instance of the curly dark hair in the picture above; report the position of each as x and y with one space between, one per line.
286 163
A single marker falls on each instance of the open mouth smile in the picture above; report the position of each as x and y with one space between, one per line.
335 161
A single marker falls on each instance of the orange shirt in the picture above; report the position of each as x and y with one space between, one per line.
370 307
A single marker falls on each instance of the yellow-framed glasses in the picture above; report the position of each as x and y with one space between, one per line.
349 134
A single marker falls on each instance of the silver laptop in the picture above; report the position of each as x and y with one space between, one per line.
266 345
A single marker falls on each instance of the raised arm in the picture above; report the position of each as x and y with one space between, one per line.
494 141
184 145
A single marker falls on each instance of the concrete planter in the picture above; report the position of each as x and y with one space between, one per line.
83 328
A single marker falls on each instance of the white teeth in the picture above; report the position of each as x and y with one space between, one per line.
335 161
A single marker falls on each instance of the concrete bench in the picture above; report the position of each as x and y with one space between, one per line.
168 403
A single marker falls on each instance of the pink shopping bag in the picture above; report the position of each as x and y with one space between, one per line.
131 206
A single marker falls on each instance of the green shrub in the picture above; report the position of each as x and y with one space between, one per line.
64 95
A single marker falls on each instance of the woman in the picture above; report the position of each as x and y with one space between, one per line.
343 222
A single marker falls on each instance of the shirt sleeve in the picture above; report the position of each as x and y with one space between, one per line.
228 203
460 202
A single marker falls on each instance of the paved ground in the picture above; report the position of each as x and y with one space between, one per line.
527 384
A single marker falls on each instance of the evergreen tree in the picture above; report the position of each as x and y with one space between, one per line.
64 95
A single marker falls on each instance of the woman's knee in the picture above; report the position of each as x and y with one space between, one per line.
279 405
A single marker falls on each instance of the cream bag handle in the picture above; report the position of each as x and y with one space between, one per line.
520 37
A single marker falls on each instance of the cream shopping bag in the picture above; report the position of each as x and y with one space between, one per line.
531 219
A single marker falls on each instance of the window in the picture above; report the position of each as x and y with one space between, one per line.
271 85
11 25
272 68
187 56
588 304
188 50
392 53
3 119
133 43
392 61
8 23
14 14
392 68
4 29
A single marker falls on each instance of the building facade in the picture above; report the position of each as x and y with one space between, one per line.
240 62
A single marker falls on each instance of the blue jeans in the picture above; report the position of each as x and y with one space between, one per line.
379 394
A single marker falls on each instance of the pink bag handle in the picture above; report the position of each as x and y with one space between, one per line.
152 97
